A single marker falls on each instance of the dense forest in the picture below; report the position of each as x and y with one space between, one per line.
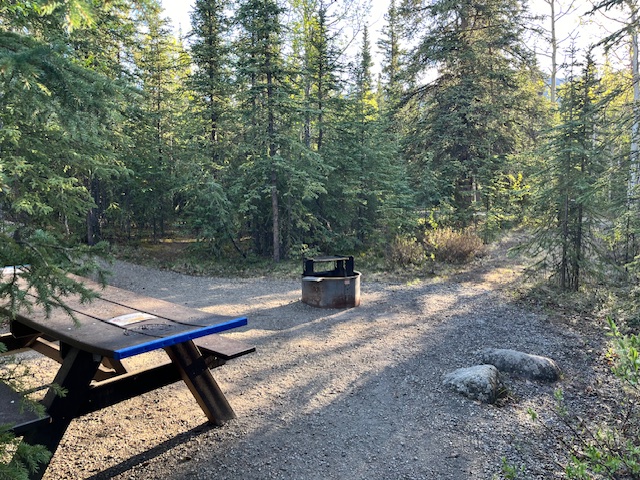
265 131
262 130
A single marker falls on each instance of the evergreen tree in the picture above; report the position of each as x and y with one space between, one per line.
207 207
276 172
367 197
629 225
153 162
469 116
569 200
55 116
210 80
261 71
107 48
319 70
392 55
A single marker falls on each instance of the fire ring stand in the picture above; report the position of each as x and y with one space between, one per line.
336 288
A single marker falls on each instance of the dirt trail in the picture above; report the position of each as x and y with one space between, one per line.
333 394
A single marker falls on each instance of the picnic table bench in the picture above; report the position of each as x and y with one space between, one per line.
117 325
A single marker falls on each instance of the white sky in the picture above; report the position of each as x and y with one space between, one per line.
179 10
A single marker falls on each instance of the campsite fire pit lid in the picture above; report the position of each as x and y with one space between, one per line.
343 266
334 288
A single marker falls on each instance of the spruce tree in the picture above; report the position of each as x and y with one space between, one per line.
210 80
568 201
320 68
277 174
55 119
367 196
154 160
468 118
260 71
393 56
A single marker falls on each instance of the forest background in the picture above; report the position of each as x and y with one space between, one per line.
259 136
263 133
256 135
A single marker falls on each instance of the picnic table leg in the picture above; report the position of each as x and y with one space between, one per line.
75 374
195 373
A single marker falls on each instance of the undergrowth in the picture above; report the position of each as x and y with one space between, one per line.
405 258
432 247
603 443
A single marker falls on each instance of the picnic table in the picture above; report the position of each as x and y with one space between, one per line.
116 326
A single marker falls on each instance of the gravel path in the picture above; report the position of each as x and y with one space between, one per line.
337 394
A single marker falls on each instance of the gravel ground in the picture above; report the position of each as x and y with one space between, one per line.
336 394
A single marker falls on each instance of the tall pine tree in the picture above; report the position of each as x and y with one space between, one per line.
469 114
261 78
569 198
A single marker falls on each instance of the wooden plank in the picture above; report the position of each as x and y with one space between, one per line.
47 348
222 347
129 385
88 334
15 345
121 322
159 308
75 377
16 413
164 342
123 387
114 341
196 375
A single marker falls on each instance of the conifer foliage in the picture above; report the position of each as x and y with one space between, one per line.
55 137
470 114
259 133
570 201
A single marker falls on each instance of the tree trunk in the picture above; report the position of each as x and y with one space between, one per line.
273 150
633 161
554 52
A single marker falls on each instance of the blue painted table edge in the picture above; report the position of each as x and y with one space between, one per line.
178 338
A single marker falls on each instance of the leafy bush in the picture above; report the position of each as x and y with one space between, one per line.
610 449
405 252
453 246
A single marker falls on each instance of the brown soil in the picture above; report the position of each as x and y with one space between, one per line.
355 393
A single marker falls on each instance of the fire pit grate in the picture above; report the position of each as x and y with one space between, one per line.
337 287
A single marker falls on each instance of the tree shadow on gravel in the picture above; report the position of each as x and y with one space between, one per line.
152 453
358 393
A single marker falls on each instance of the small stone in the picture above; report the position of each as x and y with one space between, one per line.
481 382
533 367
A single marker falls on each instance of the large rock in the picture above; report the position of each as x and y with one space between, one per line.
533 367
481 382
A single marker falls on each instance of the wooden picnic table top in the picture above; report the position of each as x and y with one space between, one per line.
116 325
121 323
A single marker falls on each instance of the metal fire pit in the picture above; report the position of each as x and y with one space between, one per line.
337 288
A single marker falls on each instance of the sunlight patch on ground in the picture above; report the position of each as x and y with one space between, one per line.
324 366
499 276
250 304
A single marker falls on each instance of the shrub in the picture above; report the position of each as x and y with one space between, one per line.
405 252
453 246
609 449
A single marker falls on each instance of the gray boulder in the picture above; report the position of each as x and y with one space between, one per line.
481 382
533 367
